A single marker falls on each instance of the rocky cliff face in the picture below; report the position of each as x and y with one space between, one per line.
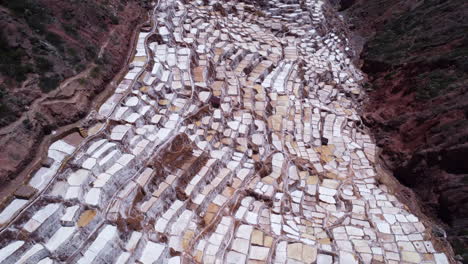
56 56
416 57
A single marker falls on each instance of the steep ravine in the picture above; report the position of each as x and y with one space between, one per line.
415 55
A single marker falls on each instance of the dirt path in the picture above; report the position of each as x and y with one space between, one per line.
40 153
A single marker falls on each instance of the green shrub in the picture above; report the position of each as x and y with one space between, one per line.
37 22
103 60
95 72
27 124
80 67
3 92
7 114
68 14
83 81
72 56
32 11
114 20
433 83
16 71
48 84
11 60
43 65
17 6
54 39
91 52
70 30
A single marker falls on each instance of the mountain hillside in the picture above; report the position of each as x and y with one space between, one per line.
55 57
416 58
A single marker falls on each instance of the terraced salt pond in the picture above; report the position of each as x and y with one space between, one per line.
233 138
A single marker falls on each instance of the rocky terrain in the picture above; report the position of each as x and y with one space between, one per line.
234 136
55 58
416 58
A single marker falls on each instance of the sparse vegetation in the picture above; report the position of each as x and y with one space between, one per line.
95 72
48 84
54 39
43 65
70 30
6 113
10 106
11 60
91 52
103 60
80 67
114 19
43 42
27 123
418 61
73 57
68 14
432 38
434 83
33 12
83 81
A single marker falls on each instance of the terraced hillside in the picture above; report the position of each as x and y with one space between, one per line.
56 59
234 137
416 59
